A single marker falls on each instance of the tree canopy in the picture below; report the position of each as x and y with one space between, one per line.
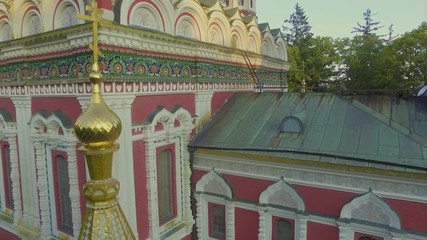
366 61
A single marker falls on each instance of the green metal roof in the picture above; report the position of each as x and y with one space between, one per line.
335 129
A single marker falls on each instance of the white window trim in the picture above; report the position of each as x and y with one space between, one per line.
8 133
179 136
212 188
292 201
44 143
348 227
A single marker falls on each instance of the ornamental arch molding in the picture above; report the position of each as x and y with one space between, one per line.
191 12
5 30
214 183
219 24
155 14
65 13
371 208
281 48
282 194
146 15
31 21
281 200
368 214
5 24
268 44
54 132
213 189
254 44
238 33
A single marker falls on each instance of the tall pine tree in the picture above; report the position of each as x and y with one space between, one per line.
299 31
370 27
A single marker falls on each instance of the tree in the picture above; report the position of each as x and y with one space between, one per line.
362 58
299 31
312 64
370 26
407 57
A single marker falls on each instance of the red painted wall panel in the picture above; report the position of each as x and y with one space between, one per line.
144 105
7 104
141 196
72 109
189 237
246 224
241 189
316 231
413 216
325 201
4 234
218 99
359 235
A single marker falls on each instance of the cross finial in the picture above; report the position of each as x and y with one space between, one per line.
96 18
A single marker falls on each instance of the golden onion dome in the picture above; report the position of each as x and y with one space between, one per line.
98 125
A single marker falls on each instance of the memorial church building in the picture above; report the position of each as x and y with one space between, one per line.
212 146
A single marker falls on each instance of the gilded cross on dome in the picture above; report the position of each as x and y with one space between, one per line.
96 18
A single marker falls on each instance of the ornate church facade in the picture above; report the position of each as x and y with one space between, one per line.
167 67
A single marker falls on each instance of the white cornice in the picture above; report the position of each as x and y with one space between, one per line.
323 178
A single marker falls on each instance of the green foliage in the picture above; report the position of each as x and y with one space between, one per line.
299 32
365 62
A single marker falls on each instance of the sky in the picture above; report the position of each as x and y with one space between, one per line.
336 18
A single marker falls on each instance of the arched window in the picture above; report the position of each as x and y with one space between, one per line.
62 195
225 3
217 221
32 24
7 180
5 32
291 124
284 230
165 184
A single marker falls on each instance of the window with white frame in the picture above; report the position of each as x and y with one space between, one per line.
283 229
216 221
10 189
166 186
62 194
215 209
166 136
280 213
57 174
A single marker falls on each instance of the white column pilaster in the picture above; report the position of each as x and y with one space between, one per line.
15 177
203 108
302 228
42 187
229 218
74 188
123 159
26 161
186 177
153 218
202 217
262 232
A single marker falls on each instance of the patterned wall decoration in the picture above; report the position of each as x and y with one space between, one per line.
131 68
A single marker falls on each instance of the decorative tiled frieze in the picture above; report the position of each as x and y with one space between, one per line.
130 68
